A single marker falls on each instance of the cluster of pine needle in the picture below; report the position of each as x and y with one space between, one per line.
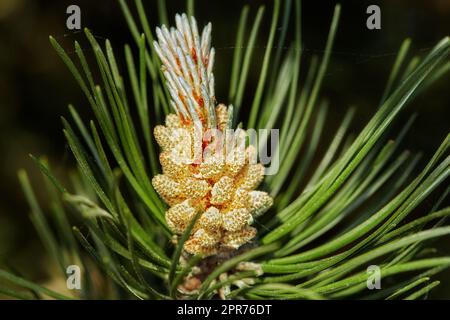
328 222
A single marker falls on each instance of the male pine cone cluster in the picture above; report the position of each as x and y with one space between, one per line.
221 184
222 187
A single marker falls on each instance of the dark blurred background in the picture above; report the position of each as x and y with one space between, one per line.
35 86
